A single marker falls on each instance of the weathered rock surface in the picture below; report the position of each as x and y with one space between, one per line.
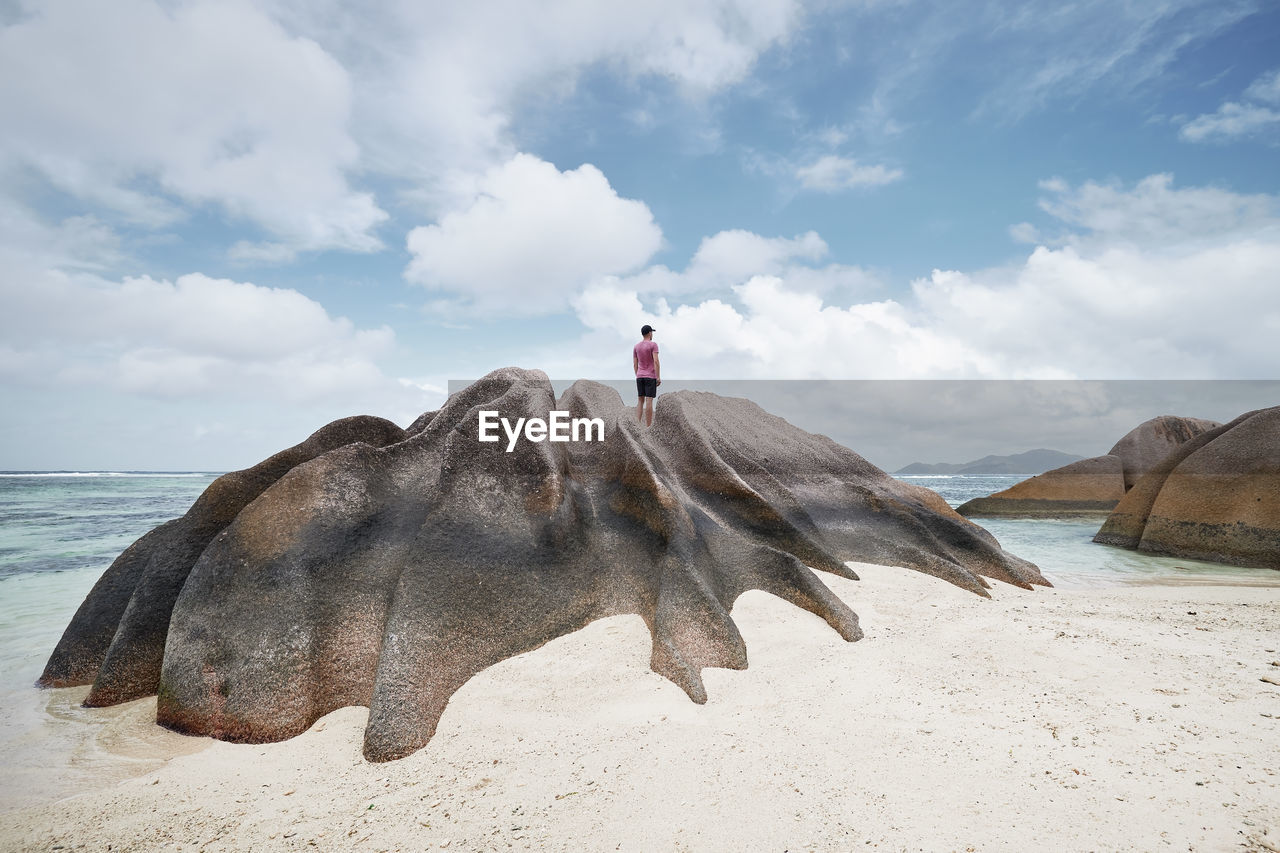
387 576
1091 486
1215 497
1144 446
1087 486
116 639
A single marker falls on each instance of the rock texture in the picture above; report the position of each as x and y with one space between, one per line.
387 573
1144 446
1096 485
1088 486
1215 497
116 639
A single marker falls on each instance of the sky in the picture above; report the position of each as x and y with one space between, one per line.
223 224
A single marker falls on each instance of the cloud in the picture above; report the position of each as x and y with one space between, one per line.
825 173
1153 213
1235 120
150 110
832 173
1035 57
437 86
1120 312
1230 121
193 338
730 256
1138 291
770 330
77 242
1266 88
531 237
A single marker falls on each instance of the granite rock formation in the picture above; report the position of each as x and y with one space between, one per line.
116 639
387 572
1092 486
1216 497
1144 446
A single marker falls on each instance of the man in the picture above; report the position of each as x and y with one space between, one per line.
644 361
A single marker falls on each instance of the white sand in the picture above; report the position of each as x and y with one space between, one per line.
1048 720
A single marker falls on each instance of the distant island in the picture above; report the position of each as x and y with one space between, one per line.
1018 465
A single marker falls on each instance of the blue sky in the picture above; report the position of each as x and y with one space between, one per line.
223 224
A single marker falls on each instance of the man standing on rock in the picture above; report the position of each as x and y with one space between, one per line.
644 361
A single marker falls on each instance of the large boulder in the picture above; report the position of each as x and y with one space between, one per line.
1216 497
1091 486
1145 445
116 639
388 576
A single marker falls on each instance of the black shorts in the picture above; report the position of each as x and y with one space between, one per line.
646 386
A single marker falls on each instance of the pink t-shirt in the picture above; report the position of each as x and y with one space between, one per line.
643 353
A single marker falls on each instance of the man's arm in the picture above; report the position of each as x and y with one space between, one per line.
635 363
657 367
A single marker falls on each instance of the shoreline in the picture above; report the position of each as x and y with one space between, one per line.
1115 718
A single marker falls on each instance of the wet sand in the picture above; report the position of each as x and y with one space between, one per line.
1128 718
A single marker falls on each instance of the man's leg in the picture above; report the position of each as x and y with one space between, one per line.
640 410
648 401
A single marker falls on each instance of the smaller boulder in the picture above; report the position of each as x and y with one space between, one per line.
1215 497
1144 446
1092 486
1085 487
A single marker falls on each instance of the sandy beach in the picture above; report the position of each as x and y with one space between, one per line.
1130 718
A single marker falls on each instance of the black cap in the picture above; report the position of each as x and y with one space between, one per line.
646 329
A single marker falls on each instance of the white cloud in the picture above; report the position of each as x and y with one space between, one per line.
1025 232
731 256
831 173
1035 56
1235 120
609 305
1118 312
1154 213
1134 296
1266 88
192 338
777 332
437 84
150 110
244 251
1231 120
531 237
77 242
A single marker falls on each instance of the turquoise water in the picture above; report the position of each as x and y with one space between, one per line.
1067 555
58 532
72 520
